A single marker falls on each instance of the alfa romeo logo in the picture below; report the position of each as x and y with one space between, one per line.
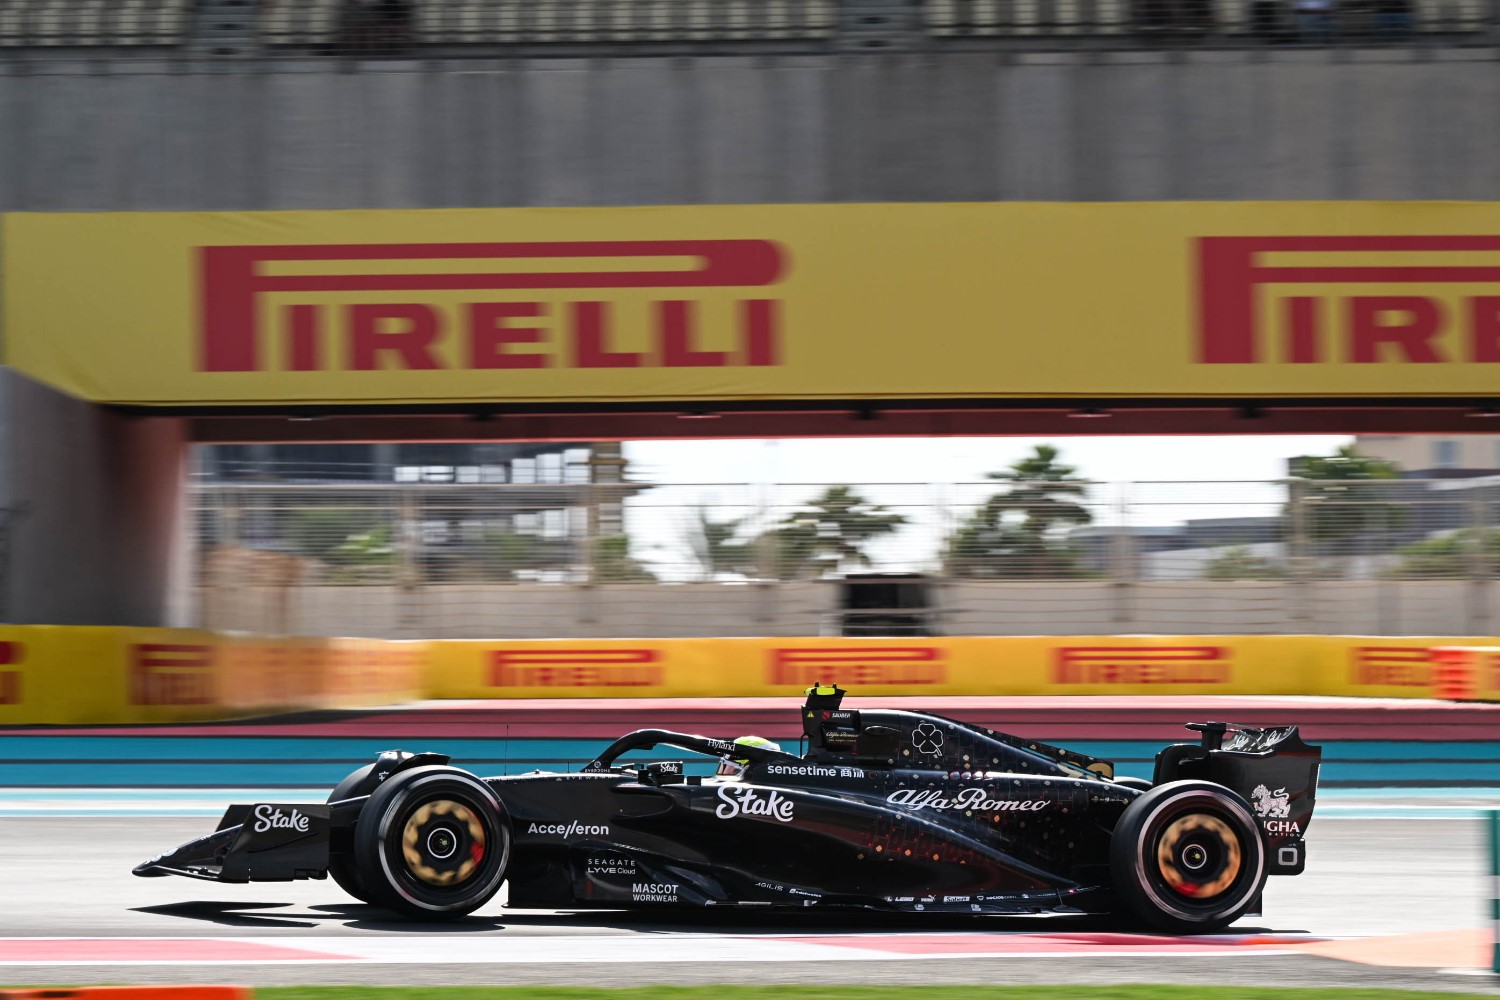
926 738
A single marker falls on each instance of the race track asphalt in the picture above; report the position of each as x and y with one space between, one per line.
69 878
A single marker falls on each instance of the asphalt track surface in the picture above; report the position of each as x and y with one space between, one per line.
69 878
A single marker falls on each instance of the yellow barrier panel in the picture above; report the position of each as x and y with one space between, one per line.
77 675
73 675
980 665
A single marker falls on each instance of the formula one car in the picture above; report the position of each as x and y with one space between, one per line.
888 810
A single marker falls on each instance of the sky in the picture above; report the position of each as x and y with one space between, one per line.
934 481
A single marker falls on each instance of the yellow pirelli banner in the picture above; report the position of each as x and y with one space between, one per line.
70 675
1021 665
76 675
758 302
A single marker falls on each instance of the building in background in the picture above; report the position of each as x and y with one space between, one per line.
1435 457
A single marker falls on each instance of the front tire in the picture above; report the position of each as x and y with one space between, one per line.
432 843
1187 857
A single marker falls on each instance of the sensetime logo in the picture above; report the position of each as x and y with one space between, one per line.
1349 299
488 306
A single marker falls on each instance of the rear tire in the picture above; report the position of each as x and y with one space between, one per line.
432 843
1187 857
341 867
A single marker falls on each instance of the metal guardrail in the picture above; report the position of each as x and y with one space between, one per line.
457 28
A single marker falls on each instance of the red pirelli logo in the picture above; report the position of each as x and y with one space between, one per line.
1391 666
575 668
1234 273
1141 665
857 665
10 680
406 332
171 674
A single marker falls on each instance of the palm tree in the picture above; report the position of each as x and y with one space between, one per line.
831 533
1016 533
714 548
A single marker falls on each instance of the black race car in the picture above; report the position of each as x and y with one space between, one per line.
886 810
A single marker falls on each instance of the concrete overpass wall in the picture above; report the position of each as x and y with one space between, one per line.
1072 126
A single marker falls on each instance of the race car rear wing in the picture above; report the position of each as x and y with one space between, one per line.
1272 769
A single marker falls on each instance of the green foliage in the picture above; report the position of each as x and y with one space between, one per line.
613 562
341 536
1237 562
1343 499
1452 556
715 547
830 534
1018 533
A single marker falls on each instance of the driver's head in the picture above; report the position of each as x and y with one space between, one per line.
732 766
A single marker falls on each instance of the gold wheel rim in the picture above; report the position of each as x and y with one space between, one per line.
1184 882
411 838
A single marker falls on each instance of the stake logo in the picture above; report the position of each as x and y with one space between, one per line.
856 666
324 314
171 674
575 668
1141 665
10 680
1238 275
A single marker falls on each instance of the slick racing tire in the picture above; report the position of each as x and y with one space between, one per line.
341 867
1187 857
432 843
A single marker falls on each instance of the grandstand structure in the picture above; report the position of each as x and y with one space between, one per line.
478 28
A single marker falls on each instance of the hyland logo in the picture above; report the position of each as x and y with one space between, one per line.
1391 666
1259 299
1141 665
856 666
171 674
575 668
10 680
488 306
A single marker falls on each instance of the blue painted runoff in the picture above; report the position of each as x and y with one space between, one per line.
42 761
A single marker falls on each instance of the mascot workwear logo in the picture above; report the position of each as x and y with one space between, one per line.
748 802
1141 665
239 285
1238 274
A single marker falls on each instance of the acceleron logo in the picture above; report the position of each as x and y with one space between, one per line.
1348 299
523 306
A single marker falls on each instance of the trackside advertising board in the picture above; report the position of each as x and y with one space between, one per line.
759 302
81 675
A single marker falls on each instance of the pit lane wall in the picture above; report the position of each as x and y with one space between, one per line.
91 675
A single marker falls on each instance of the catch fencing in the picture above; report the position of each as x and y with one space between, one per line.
377 29
479 555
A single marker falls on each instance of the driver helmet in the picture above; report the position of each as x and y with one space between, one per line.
733 767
